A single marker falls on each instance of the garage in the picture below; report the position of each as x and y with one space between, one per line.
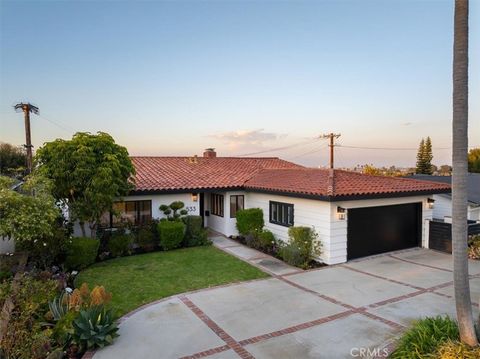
375 230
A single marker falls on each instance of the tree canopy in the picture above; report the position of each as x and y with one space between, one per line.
88 173
424 157
12 160
474 160
28 214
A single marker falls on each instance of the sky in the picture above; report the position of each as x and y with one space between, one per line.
258 78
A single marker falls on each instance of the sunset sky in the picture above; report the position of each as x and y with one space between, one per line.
172 78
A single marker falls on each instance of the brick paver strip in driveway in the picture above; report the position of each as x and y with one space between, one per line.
163 328
335 339
401 271
350 287
318 313
255 308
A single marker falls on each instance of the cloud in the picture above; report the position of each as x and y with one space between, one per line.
240 138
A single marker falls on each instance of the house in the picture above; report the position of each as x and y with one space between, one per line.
443 202
7 245
355 215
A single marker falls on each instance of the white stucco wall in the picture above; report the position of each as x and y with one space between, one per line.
6 245
157 201
213 221
225 224
443 208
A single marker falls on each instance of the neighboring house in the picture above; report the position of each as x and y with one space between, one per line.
355 215
7 245
443 202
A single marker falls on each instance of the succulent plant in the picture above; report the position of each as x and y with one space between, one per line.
59 306
94 327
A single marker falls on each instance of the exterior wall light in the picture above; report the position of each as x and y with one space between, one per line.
194 197
341 213
430 203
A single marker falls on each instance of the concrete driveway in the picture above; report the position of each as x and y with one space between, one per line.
344 311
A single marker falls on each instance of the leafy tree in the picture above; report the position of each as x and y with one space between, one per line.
445 170
12 160
29 215
424 157
88 173
371 170
474 160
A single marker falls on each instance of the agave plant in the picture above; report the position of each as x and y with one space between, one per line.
59 306
94 327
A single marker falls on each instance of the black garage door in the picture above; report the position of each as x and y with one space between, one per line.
375 230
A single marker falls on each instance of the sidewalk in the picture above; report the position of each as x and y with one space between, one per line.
265 262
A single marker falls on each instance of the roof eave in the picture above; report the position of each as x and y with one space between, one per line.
349 197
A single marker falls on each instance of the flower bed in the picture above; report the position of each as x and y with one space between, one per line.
300 251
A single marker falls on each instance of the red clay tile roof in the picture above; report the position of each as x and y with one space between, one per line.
164 174
191 173
337 183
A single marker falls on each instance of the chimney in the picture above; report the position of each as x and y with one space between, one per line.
209 153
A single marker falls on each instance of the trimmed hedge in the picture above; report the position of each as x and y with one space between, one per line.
195 234
250 221
81 252
145 238
119 245
171 234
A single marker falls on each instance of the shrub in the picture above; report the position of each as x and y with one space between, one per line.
454 350
195 234
251 240
81 252
266 241
145 239
474 247
25 335
425 338
305 240
94 327
171 234
47 251
290 253
249 221
119 244
82 297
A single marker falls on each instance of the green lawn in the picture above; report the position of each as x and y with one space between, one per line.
136 280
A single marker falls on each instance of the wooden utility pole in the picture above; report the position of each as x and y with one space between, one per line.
332 136
26 108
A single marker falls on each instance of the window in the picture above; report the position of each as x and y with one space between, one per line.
216 205
135 212
281 213
236 204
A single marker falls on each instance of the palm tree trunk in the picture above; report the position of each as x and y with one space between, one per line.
459 176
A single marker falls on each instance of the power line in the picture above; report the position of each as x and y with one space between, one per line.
308 152
65 128
395 148
280 148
